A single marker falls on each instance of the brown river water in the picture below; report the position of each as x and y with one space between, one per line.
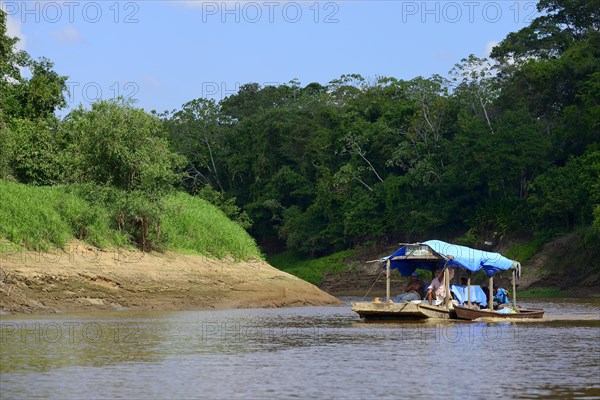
298 353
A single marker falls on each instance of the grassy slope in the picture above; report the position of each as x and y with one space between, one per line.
48 217
41 218
566 265
195 225
311 270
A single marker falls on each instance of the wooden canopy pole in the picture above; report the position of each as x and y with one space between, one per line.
491 293
387 281
469 291
447 286
514 285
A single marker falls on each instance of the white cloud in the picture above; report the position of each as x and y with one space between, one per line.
68 34
13 29
489 46
153 83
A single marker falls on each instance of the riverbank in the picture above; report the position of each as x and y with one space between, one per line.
84 278
564 267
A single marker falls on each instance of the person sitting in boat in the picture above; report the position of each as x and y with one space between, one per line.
437 288
500 297
412 291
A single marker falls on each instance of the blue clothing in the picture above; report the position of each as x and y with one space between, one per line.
401 298
501 296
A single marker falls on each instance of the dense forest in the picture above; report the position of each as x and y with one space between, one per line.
501 147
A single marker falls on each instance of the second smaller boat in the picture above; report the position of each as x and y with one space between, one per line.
472 313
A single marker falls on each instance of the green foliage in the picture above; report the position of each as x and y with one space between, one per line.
140 215
497 149
421 153
566 197
136 215
121 146
9 57
362 218
469 239
309 232
7 138
227 205
43 93
197 132
524 251
38 152
496 219
311 270
36 97
561 23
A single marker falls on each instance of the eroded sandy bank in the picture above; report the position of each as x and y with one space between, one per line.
82 278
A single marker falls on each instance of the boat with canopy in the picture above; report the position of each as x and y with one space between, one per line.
436 255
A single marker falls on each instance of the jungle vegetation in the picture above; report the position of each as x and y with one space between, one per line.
494 148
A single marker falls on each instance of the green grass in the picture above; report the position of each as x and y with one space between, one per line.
524 251
194 225
311 270
542 293
43 218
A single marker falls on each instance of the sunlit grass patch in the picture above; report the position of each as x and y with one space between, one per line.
192 224
541 292
45 218
311 270
41 218
524 251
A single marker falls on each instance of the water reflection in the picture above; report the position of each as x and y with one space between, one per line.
299 353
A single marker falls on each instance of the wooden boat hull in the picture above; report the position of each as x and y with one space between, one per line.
471 314
400 311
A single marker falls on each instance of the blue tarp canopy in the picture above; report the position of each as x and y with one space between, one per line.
434 254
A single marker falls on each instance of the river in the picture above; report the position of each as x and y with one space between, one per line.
292 353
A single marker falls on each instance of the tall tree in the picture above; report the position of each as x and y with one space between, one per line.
561 23
419 151
197 133
476 88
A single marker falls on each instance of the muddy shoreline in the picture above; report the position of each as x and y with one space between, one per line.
82 278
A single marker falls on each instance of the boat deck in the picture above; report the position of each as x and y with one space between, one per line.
472 314
400 311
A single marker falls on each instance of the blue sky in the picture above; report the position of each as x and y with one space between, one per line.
165 53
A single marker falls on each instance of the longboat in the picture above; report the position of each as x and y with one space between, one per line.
434 255
472 313
406 260
401 311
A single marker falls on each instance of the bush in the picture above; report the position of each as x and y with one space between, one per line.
227 205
